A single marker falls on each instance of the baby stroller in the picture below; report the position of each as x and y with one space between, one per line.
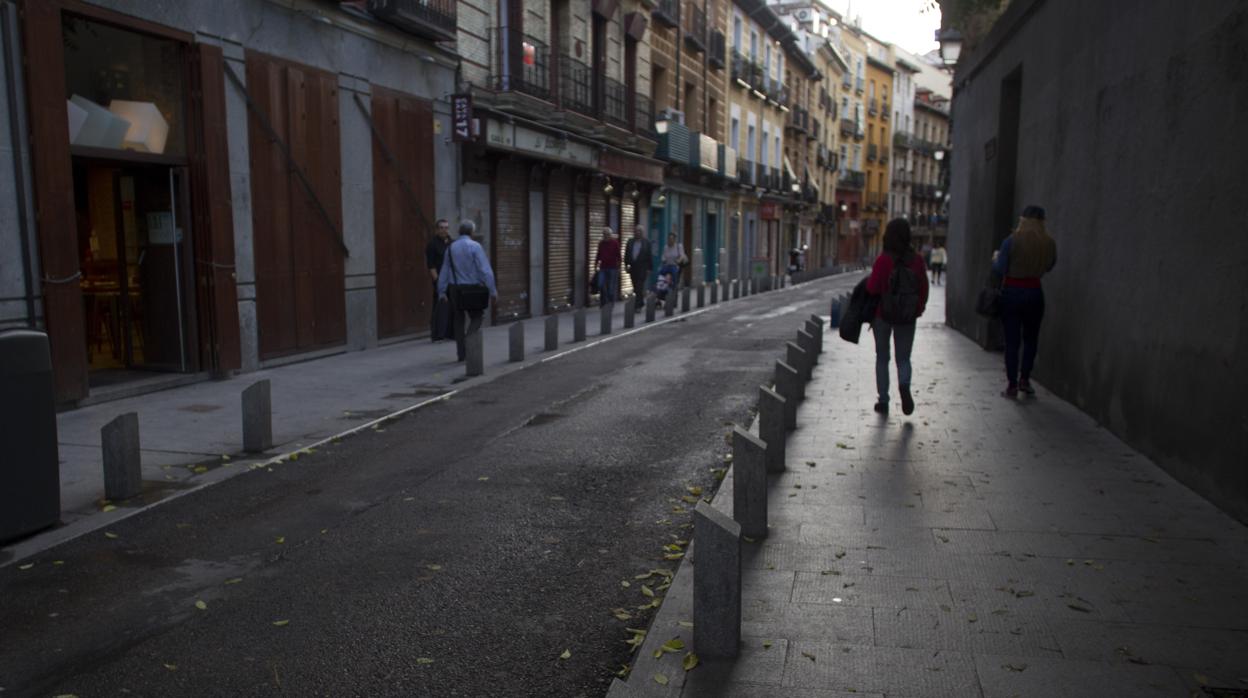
666 281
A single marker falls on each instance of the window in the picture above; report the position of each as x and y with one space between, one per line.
766 138
844 160
857 157
753 45
736 31
844 107
775 153
767 60
749 147
734 134
871 89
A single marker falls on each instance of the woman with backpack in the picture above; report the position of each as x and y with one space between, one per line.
899 278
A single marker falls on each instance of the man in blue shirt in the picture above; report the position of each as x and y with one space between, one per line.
465 265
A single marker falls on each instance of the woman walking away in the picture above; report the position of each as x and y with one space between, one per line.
673 259
1025 256
938 262
899 278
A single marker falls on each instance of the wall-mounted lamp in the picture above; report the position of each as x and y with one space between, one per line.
608 188
950 41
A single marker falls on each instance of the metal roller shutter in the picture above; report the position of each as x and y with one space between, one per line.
560 281
628 220
597 219
511 240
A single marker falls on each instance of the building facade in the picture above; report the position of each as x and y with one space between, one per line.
880 73
929 176
202 188
902 166
851 131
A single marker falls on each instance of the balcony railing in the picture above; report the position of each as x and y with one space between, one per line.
798 119
883 153
745 172
576 86
847 81
695 28
903 140
872 108
519 63
667 12
814 128
613 103
873 152
773 176
717 50
851 179
858 85
847 127
643 114
859 134
884 110
430 19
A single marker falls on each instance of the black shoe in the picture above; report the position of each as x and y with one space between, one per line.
907 402
881 407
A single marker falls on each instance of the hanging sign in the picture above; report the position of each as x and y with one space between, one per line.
461 118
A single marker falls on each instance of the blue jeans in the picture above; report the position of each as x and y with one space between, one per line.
1022 309
903 340
610 285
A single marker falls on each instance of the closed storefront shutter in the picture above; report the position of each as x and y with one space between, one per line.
559 247
628 220
300 301
597 219
511 239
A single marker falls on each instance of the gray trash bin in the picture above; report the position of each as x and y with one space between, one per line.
30 477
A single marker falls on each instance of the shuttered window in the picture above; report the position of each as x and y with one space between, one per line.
560 291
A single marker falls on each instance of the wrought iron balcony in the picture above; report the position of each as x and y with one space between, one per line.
847 81
847 127
851 179
667 12
872 109
520 63
643 114
873 152
613 103
773 176
695 28
798 120
717 50
883 153
745 172
903 140
815 128
430 19
576 86
884 110
858 85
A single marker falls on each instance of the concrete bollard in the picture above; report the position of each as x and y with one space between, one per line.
257 417
578 325
798 359
771 427
714 293
807 342
816 331
736 289
123 473
552 332
749 483
651 302
684 299
630 313
669 304
474 363
605 313
789 385
701 296
515 342
716 584
817 320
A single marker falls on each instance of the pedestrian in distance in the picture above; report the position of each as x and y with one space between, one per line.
673 259
466 281
638 261
938 262
607 263
435 251
899 278
1026 255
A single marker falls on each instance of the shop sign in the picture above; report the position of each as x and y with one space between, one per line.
627 167
768 211
461 118
538 144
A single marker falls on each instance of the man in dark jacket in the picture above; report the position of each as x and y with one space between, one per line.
637 262
435 250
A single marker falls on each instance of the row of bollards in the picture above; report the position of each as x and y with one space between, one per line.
717 567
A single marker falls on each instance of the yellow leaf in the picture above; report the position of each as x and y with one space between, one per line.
235 580
689 499
483 478
107 507
26 566
658 654
110 534
695 490
646 591
201 605
280 540
225 457
673 645
685 623
567 654
294 456
281 623
660 679
625 583
58 562
424 660
435 568
767 644
171 667
690 661
673 556
200 469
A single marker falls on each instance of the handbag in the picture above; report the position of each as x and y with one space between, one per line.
988 303
472 297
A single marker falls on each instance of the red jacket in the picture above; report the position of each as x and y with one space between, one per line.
877 283
609 254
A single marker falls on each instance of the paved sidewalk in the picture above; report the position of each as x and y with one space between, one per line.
980 547
192 435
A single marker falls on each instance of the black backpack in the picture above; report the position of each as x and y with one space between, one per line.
900 303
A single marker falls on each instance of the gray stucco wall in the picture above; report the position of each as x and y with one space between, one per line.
16 269
1132 138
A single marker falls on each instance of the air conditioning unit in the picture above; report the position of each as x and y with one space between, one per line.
803 14
671 115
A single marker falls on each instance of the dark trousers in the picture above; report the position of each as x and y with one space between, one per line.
1022 309
465 322
639 277
439 317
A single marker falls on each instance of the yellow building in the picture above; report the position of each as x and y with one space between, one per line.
879 90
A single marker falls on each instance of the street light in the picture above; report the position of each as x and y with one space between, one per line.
950 41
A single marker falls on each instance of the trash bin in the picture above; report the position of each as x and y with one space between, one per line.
30 478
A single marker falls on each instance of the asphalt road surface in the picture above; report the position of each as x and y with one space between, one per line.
458 551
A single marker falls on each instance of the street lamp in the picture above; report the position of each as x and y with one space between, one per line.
950 41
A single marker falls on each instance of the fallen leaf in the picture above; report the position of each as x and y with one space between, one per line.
695 490
673 556
200 469
1077 607
690 661
225 458
483 478
809 656
235 580
625 583
171 667
110 534
280 540
107 507
58 562
567 654
435 568
1014 667
660 679
767 644
673 645
201 605
810 463
685 623
621 614
647 591
26 566
424 660
281 623
658 654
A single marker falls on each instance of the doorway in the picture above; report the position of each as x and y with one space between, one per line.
710 247
135 255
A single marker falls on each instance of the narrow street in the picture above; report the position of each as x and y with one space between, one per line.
458 551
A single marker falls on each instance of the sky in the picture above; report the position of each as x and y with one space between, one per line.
906 23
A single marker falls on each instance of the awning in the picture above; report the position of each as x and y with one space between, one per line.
633 167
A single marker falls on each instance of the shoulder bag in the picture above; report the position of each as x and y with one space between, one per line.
471 297
988 303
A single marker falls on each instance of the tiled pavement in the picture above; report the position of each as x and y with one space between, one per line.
980 547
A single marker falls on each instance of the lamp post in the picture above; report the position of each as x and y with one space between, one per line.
950 41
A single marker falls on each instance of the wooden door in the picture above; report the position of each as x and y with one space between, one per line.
402 210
